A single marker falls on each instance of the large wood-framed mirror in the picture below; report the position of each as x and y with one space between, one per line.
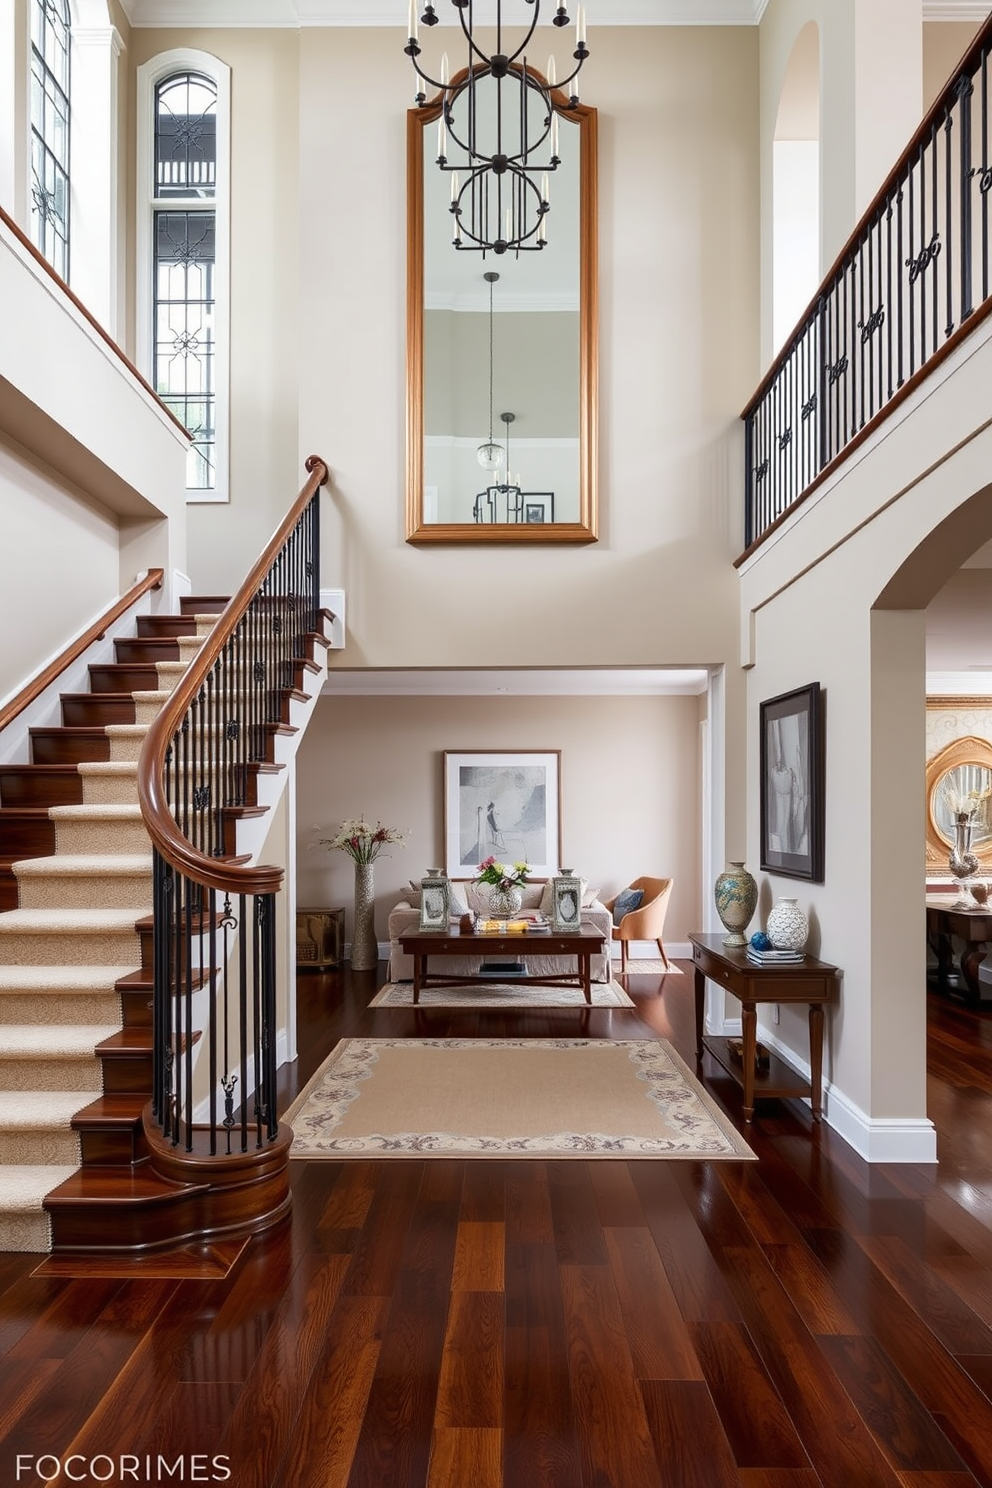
962 770
540 334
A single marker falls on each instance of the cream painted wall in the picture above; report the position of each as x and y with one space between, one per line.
56 544
272 347
629 777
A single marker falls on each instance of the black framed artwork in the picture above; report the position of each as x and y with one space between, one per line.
792 784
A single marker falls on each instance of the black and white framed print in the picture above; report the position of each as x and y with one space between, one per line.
792 784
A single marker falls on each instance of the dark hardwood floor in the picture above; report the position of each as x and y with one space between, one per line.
806 1320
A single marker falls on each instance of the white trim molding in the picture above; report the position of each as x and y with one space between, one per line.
909 1139
298 13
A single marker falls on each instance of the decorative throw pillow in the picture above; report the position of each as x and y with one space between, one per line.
625 901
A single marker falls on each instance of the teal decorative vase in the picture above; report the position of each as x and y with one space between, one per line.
736 895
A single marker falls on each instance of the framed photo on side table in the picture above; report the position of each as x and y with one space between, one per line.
792 784
502 804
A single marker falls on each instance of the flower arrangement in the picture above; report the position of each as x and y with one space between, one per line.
363 841
965 806
502 875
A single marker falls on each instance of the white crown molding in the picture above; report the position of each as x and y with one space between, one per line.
248 14
956 10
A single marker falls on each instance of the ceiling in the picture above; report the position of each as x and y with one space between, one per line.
293 13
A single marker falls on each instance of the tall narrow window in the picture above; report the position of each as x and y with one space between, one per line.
185 264
50 131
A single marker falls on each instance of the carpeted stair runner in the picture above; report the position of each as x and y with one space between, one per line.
62 953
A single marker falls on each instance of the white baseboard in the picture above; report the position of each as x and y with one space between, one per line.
882 1139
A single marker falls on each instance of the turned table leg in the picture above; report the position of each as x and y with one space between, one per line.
816 1057
749 1028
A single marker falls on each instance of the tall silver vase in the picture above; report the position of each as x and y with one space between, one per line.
962 861
364 946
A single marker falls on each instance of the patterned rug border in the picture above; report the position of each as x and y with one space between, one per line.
537 999
352 1061
648 966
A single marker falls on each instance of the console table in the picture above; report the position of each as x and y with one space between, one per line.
974 928
583 944
813 982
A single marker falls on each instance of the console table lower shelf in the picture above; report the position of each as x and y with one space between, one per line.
808 981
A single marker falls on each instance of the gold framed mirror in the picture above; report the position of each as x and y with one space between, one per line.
522 351
961 770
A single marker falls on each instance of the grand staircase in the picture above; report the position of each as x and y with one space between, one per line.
75 943
85 1170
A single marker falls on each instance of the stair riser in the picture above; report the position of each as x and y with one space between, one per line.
86 712
104 949
110 1148
109 790
125 749
85 891
52 1009
26 837
57 748
127 679
24 1232
54 1073
155 649
172 625
40 1147
86 837
146 712
20 785
125 1073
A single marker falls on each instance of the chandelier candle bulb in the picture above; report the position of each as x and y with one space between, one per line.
545 188
442 139
412 27
454 187
552 73
580 26
554 136
445 75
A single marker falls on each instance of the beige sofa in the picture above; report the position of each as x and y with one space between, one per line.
405 916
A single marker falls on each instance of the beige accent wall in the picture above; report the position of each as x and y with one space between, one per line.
629 778
944 44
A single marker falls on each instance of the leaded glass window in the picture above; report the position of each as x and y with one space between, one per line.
185 260
50 23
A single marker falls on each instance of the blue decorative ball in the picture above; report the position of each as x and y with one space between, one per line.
760 941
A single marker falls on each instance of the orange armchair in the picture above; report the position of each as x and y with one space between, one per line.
646 922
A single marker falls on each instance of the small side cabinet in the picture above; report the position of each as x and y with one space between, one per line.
319 939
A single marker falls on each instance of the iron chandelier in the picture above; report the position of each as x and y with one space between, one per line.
500 115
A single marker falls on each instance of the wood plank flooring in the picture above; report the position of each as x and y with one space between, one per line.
804 1322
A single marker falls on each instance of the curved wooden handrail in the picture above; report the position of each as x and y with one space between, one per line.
33 689
968 64
88 315
177 851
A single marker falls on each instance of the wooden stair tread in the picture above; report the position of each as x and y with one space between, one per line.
116 1184
117 1109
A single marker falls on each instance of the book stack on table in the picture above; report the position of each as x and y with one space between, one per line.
775 958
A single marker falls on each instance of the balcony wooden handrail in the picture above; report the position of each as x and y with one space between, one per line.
88 316
967 65
32 690
175 849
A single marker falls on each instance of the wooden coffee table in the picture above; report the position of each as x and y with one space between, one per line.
583 944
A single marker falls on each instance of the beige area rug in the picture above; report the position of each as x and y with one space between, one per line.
537 1098
519 995
649 966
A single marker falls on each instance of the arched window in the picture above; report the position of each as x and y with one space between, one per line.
50 24
183 246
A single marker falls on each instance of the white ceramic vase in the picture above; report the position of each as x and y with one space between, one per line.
788 927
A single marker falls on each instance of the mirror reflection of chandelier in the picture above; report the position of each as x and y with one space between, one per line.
498 131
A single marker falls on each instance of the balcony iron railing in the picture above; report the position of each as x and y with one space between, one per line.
912 280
